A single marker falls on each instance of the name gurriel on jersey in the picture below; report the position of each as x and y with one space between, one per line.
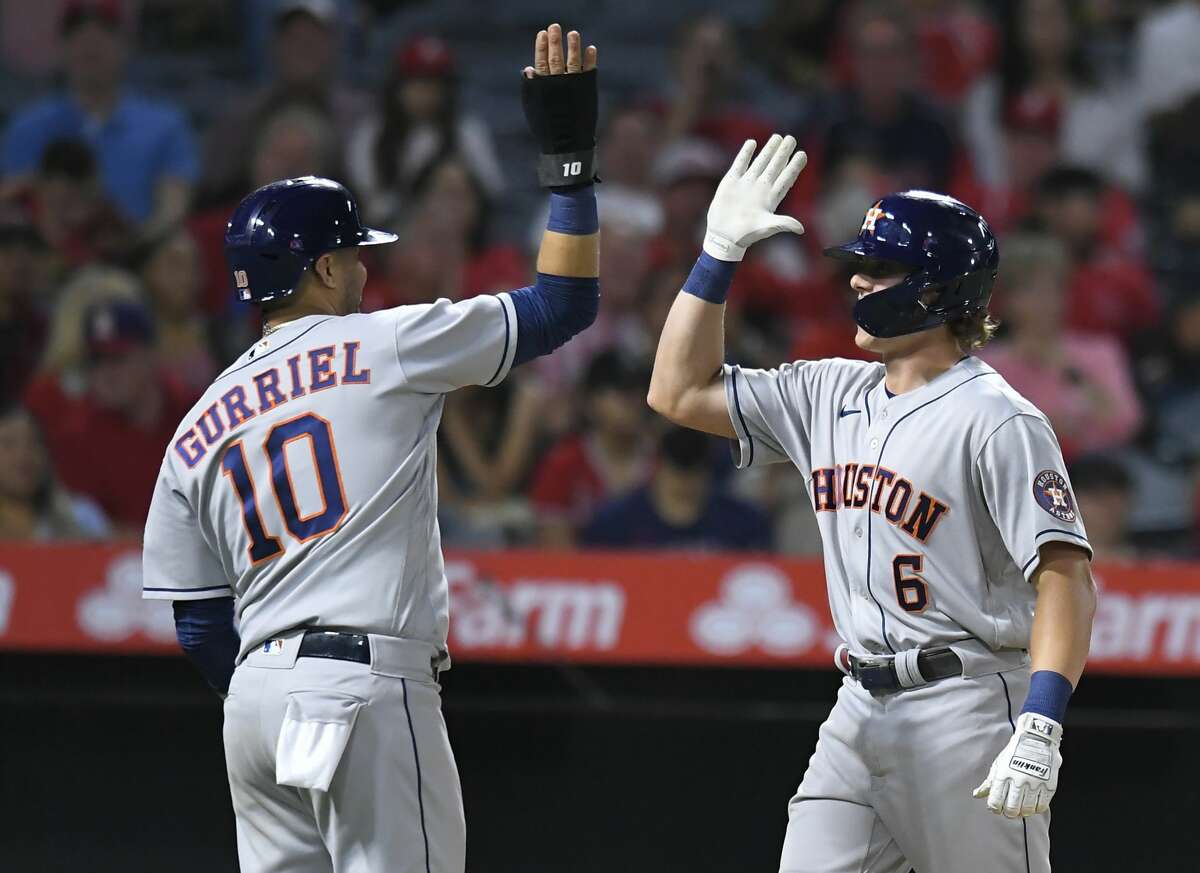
302 374
853 486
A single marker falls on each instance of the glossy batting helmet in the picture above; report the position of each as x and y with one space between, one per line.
947 246
279 231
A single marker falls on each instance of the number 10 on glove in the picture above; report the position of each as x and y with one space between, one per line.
1024 776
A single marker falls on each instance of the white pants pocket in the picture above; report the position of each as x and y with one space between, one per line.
316 728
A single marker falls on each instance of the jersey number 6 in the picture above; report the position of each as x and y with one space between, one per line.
315 430
911 591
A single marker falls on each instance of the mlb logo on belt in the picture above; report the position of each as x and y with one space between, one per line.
273 647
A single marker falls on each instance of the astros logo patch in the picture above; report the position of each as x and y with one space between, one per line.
1052 494
873 215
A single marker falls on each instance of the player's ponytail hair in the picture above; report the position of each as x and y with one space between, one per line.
975 331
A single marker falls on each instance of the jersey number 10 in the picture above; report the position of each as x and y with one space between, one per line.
315 430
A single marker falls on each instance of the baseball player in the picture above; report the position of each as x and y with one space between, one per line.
954 550
300 495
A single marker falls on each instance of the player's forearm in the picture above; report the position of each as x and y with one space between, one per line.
571 244
1062 621
691 350
1062 628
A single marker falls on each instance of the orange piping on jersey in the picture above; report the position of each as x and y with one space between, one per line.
862 488
218 425
349 377
896 514
279 550
824 489
847 489
925 517
287 471
882 474
320 361
298 389
918 566
261 381
236 409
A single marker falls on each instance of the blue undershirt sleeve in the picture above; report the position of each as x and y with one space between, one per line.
207 636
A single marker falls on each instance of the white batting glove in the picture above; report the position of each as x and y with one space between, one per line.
743 209
1024 776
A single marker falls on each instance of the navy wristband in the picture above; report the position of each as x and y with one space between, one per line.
574 212
1048 695
710 278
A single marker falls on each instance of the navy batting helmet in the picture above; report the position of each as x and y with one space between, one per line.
278 231
948 247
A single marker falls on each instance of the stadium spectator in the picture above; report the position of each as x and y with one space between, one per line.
444 249
144 147
171 275
1044 62
108 442
680 508
1110 292
686 173
304 55
880 113
22 323
418 119
1081 381
488 443
629 144
1029 150
65 355
620 325
609 455
295 140
1104 491
33 506
705 101
68 207
1167 56
797 46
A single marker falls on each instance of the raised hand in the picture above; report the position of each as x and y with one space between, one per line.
548 54
559 95
743 209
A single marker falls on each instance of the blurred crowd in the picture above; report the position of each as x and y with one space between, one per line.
1065 122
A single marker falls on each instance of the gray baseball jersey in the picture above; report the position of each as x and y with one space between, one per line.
932 506
303 482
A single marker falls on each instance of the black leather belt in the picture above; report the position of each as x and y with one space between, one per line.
879 674
335 645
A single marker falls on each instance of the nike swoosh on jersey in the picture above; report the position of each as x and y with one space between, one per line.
843 412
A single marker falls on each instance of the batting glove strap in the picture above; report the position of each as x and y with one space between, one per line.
562 112
567 169
1024 776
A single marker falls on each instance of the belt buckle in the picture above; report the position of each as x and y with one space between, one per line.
876 673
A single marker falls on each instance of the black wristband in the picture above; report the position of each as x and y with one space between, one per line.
562 114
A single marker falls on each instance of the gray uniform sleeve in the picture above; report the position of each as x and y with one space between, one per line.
443 345
176 562
1028 495
770 410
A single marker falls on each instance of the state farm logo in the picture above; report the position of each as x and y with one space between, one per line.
1156 626
117 611
570 614
755 610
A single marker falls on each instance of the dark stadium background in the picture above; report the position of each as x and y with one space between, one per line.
1071 125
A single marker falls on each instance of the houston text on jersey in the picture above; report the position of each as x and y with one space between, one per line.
855 485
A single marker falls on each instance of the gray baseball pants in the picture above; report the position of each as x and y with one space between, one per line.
374 733
888 788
